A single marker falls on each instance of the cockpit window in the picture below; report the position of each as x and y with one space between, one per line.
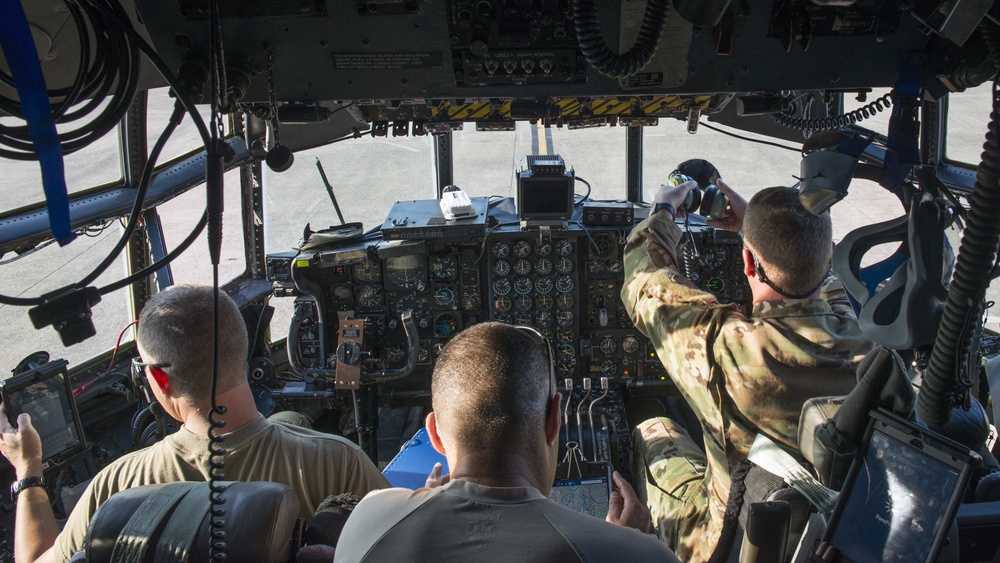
98 164
967 120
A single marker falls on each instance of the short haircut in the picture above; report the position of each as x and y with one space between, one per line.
490 387
176 327
795 245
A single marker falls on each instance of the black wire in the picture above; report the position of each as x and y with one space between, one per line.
140 196
134 214
136 276
834 121
586 183
742 138
111 76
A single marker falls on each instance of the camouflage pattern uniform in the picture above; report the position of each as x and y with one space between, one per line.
740 376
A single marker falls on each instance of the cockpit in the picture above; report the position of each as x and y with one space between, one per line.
368 179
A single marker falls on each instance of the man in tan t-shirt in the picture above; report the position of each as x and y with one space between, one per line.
175 342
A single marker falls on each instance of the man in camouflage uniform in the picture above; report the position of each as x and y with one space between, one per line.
740 376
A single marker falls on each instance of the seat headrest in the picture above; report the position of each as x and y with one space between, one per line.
904 314
169 522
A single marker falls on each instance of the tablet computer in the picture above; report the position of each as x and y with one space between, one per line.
588 492
45 393
900 496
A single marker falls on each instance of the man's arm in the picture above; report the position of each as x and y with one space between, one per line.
35 529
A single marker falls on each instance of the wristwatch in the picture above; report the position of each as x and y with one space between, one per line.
17 486
669 208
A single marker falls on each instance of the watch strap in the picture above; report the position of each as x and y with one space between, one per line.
668 207
17 486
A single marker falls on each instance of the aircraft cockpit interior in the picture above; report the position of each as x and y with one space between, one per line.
368 179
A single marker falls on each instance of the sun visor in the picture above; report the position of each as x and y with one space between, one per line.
826 176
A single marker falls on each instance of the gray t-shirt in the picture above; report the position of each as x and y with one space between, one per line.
463 521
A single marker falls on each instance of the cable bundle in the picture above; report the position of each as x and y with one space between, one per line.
107 79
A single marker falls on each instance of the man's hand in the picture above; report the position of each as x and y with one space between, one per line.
21 446
732 219
435 479
624 508
674 195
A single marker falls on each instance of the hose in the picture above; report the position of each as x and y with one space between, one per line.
835 121
595 50
973 272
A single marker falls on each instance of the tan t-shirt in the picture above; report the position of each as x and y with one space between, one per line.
313 464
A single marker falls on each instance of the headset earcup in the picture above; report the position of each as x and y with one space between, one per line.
713 203
693 201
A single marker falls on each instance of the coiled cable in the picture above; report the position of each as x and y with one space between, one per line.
596 51
834 121
107 79
973 272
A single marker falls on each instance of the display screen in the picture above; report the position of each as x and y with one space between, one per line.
48 404
897 504
545 197
589 495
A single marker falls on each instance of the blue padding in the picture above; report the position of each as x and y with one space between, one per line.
19 49
414 462
876 274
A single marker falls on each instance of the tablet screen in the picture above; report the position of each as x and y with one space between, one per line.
588 495
897 505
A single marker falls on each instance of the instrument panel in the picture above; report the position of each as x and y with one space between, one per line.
565 283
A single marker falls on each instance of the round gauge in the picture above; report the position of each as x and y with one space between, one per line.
564 301
564 336
715 284
366 272
501 286
602 245
630 344
716 257
596 266
501 249
543 285
522 267
423 355
523 318
566 367
564 284
565 352
563 247
501 267
564 266
547 333
503 318
522 249
405 272
543 249
523 285
418 306
443 268
608 345
445 325
502 304
609 368
369 298
395 354
543 302
543 266
471 300
544 319
565 318
445 297
522 303
343 294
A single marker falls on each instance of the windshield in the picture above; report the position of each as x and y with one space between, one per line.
369 174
